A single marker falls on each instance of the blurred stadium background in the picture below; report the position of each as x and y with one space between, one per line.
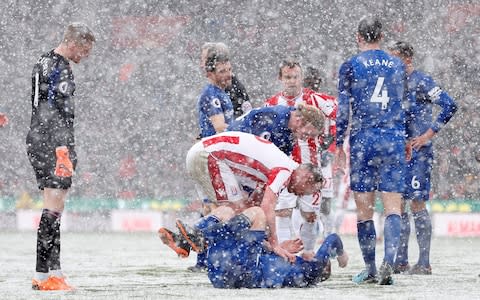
136 95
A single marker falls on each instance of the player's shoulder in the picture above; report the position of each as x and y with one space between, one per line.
324 96
420 75
273 100
210 91
311 97
422 80
45 60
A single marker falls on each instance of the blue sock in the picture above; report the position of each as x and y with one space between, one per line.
206 222
402 253
392 237
240 225
201 259
367 238
423 229
331 246
202 225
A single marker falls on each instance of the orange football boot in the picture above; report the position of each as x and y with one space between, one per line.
172 240
52 284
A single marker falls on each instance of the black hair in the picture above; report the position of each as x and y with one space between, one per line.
403 48
290 62
312 78
370 29
317 176
213 58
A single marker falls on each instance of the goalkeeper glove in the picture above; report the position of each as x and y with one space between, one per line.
64 166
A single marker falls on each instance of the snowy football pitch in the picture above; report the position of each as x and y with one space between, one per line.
139 266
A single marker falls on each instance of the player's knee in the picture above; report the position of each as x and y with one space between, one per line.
326 206
309 217
256 216
285 213
417 206
224 213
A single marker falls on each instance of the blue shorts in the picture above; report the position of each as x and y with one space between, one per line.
377 162
233 258
418 173
277 272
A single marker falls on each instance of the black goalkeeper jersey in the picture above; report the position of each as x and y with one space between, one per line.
53 107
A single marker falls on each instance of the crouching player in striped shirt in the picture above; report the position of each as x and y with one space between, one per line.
241 170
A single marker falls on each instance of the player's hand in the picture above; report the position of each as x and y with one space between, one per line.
422 140
343 259
284 253
3 120
246 107
408 151
308 255
292 246
419 141
64 166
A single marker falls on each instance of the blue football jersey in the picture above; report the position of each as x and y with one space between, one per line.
372 84
213 101
270 123
424 93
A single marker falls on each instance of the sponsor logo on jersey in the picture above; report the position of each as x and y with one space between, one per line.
63 87
266 135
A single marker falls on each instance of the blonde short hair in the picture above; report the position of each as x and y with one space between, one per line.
78 33
311 114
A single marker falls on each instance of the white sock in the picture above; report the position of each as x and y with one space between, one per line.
308 234
297 221
40 276
56 273
284 231
327 224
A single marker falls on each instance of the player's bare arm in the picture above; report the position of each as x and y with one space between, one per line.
218 122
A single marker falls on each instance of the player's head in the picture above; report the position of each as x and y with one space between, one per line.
309 121
209 48
370 30
305 180
219 69
401 49
291 75
78 40
312 79
204 51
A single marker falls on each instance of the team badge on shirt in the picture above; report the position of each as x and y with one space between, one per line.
216 103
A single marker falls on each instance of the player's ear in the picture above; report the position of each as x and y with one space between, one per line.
358 38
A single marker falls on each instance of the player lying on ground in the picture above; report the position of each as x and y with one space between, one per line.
240 256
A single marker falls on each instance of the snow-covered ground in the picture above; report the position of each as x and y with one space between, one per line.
139 266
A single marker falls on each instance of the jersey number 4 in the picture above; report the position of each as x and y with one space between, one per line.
380 93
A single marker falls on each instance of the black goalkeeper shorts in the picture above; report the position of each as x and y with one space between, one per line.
43 162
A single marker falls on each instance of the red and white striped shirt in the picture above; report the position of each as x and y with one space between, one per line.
253 160
306 151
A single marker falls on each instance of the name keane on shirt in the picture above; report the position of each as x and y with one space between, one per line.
378 62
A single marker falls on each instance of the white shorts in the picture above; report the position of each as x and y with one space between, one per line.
214 179
286 200
307 203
